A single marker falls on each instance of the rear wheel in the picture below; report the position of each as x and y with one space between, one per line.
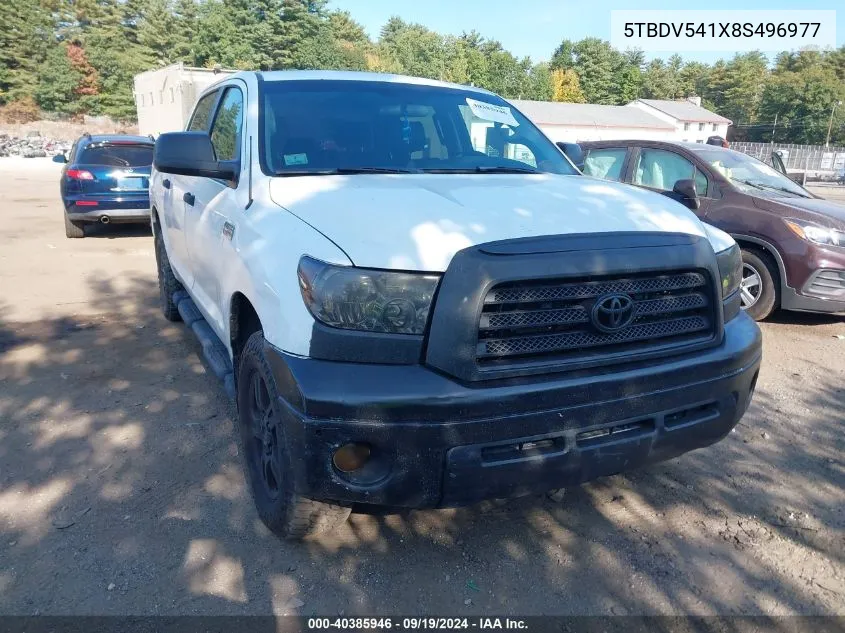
167 282
266 456
758 289
73 229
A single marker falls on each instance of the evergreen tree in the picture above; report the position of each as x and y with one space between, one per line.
26 38
55 90
158 33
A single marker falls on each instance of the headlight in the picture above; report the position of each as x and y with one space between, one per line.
815 233
364 299
730 269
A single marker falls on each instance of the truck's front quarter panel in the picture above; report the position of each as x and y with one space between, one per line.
269 242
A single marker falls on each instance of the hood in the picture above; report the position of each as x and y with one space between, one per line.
818 210
419 221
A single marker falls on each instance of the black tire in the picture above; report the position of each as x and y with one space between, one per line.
167 282
266 459
766 295
73 229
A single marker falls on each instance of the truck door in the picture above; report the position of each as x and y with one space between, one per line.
175 208
209 205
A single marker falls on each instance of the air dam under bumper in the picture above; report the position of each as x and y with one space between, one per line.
436 442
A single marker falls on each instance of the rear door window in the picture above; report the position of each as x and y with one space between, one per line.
117 155
605 163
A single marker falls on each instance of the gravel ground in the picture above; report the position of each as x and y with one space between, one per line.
121 490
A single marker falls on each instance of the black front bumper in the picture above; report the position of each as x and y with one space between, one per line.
437 442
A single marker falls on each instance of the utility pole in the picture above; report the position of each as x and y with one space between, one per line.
830 124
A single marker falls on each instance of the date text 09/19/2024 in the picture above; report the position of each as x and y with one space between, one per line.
417 623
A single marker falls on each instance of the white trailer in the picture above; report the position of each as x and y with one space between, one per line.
165 97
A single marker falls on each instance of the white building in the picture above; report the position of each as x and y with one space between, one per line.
647 119
691 122
165 97
575 122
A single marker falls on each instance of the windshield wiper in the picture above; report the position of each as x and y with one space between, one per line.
785 190
503 169
749 183
375 170
334 171
764 187
496 169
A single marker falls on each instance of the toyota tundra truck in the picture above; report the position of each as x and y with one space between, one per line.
417 301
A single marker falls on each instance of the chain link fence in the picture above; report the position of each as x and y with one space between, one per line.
807 163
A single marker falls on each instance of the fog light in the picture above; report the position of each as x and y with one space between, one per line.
351 457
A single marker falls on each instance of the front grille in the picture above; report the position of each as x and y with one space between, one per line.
526 320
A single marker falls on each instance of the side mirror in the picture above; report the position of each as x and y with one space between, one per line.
573 152
687 194
60 158
191 154
777 163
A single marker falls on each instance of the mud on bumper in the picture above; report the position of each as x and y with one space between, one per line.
436 442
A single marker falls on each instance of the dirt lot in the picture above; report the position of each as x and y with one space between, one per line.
121 490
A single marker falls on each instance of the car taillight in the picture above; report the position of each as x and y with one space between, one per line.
79 174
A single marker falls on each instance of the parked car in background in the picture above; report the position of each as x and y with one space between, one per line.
793 243
417 301
106 179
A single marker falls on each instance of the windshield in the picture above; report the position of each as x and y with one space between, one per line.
749 175
323 127
117 155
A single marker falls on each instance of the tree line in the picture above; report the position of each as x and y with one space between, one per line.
79 57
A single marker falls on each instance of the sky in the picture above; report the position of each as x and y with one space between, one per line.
536 27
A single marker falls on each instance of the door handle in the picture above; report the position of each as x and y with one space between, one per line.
189 198
166 183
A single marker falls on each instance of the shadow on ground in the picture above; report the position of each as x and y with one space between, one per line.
121 492
116 231
806 318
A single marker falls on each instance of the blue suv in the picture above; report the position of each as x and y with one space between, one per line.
106 179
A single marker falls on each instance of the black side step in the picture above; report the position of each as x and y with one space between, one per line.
213 350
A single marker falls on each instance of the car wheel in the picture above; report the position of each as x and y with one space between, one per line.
73 229
167 282
266 456
758 290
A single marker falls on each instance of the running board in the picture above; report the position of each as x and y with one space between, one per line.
213 350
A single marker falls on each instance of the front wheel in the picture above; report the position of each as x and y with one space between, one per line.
167 282
758 289
266 455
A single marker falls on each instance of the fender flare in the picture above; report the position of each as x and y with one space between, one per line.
769 248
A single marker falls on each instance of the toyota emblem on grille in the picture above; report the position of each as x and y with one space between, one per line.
613 312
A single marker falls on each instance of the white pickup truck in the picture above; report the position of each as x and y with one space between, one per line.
418 301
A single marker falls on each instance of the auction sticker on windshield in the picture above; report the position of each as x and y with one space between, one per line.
491 112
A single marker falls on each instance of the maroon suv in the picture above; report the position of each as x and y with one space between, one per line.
793 243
